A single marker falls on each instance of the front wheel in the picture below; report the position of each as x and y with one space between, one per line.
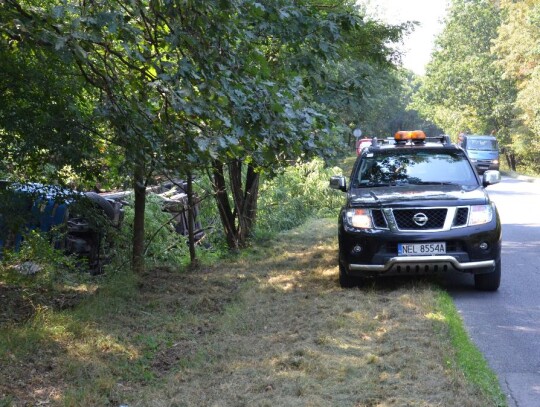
345 280
489 281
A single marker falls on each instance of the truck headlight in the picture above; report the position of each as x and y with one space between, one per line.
359 218
480 214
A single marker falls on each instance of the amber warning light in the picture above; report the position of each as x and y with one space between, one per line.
416 135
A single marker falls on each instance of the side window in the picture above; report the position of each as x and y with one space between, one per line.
372 170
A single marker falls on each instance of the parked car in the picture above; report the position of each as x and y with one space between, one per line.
361 144
416 206
483 151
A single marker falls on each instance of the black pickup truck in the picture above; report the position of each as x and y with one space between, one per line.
415 205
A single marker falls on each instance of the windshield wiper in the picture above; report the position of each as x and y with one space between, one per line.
373 184
400 182
434 183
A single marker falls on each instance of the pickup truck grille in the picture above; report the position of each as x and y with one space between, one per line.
378 219
420 219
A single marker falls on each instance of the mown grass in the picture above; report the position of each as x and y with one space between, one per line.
270 327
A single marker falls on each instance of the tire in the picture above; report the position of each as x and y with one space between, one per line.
489 281
103 204
97 234
345 280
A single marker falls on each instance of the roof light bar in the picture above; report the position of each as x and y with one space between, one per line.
416 135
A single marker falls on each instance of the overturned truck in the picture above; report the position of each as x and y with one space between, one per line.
78 221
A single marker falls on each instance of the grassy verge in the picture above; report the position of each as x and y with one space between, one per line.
270 328
467 356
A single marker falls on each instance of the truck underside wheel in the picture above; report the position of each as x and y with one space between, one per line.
95 238
103 203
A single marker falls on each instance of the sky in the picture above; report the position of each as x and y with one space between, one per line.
418 45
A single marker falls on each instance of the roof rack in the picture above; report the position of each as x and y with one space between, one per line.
443 138
376 142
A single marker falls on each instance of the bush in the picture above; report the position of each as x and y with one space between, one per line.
295 194
163 245
39 264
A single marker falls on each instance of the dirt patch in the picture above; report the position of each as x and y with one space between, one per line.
168 359
20 304
32 378
16 306
206 290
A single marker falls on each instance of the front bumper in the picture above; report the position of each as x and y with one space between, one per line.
422 264
483 166
379 256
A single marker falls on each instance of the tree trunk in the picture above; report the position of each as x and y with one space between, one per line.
251 196
224 207
513 162
510 159
191 220
245 199
138 221
235 179
238 222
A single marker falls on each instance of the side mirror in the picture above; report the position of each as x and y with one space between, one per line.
338 182
491 177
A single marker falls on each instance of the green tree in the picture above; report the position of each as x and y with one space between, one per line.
388 107
517 49
464 89
348 87
227 86
45 115
143 62
291 116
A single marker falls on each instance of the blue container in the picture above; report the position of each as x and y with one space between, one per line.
39 207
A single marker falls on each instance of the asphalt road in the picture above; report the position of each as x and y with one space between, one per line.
505 325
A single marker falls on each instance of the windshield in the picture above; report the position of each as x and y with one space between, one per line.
482 144
410 167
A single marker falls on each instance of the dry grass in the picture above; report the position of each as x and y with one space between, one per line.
272 328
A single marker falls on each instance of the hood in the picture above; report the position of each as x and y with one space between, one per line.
414 195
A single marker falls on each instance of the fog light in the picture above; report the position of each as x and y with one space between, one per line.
484 246
357 249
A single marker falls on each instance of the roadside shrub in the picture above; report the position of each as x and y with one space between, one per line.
38 263
163 246
295 194
286 200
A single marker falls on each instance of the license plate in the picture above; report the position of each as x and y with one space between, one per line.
421 249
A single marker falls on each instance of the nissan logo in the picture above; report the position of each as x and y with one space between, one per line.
420 219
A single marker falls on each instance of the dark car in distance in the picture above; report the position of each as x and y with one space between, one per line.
414 206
